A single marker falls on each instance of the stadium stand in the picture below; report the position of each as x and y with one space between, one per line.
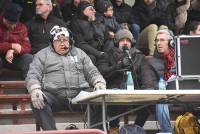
15 101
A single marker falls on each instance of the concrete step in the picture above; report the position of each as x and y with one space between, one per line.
150 126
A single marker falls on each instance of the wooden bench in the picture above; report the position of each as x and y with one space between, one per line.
9 74
14 93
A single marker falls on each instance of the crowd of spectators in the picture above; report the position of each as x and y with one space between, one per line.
99 29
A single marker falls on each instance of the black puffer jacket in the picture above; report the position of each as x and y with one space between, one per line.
39 31
89 36
115 78
123 13
145 15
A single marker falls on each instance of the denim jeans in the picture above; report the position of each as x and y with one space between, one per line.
135 30
162 115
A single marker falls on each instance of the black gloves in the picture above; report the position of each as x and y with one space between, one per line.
123 63
126 61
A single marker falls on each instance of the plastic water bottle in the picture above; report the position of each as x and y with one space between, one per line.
129 82
162 84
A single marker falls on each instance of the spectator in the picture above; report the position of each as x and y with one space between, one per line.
176 16
57 74
70 10
162 62
39 27
194 28
122 12
193 12
88 33
106 17
14 42
114 61
28 9
149 16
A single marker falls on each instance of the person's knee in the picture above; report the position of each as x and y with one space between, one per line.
152 27
135 27
28 58
162 27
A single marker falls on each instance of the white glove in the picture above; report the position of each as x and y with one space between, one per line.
100 86
37 98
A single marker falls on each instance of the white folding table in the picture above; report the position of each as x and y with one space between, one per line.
143 98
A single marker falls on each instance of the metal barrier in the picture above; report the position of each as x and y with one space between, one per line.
79 131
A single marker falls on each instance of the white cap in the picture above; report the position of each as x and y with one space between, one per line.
56 31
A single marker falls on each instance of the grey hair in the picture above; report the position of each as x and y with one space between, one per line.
48 2
167 32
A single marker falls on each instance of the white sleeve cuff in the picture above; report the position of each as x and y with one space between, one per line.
33 87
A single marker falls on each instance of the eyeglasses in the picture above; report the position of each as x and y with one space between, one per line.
40 4
91 8
60 41
161 40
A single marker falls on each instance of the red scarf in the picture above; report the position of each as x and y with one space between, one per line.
169 63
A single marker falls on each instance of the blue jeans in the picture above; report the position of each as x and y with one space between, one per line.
162 115
135 30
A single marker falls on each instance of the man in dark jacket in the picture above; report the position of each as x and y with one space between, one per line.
88 33
163 65
126 57
14 42
39 27
70 10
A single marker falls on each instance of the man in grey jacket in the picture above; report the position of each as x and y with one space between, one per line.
57 74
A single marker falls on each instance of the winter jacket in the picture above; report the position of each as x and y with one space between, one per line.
62 75
181 17
157 66
39 31
110 23
115 76
17 35
89 36
145 15
123 13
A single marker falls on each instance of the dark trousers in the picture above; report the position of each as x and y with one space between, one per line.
53 103
141 115
19 63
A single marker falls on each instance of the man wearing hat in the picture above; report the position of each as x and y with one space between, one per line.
14 41
88 33
114 65
57 74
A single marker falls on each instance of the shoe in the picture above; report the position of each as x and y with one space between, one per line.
71 126
114 130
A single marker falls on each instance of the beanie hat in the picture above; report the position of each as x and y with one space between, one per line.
56 31
104 5
13 12
82 5
124 34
